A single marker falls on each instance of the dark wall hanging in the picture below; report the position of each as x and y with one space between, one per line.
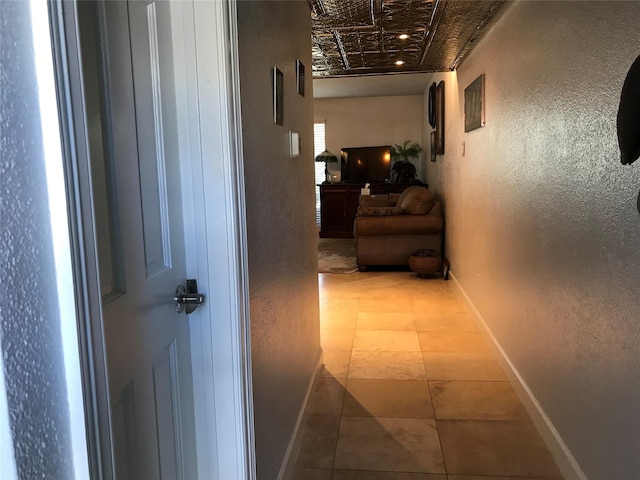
432 105
439 101
474 105
432 143
278 96
629 118
300 77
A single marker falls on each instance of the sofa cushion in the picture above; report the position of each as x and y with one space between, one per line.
397 225
369 211
418 201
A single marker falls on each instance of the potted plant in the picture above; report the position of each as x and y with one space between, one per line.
403 171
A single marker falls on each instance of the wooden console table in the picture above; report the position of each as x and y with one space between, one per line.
339 204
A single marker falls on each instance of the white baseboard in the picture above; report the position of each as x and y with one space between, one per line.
286 469
564 459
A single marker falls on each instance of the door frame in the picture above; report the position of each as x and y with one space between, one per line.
215 233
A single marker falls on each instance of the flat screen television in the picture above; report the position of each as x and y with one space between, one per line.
366 164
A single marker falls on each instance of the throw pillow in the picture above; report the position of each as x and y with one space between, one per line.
418 202
373 211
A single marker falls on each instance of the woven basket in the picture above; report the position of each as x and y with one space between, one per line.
424 265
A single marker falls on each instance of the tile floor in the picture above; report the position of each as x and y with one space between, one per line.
410 390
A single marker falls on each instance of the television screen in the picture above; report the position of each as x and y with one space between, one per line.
366 164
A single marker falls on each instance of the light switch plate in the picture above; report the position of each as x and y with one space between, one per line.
294 144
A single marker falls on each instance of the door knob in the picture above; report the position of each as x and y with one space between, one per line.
187 298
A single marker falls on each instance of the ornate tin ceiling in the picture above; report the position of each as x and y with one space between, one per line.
362 37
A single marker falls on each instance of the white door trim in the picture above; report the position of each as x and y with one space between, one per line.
215 228
83 237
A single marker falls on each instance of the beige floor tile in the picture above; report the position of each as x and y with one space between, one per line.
311 474
338 286
387 365
338 293
456 321
437 304
452 342
336 339
383 305
395 294
369 475
462 366
318 441
473 447
476 401
336 363
385 321
338 304
419 289
386 341
485 432
369 280
338 313
389 444
387 398
327 397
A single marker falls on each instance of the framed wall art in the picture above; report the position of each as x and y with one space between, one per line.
432 143
278 96
439 110
300 77
474 105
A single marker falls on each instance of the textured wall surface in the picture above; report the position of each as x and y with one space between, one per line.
370 121
542 227
282 236
30 339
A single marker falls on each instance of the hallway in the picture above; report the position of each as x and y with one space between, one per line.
410 390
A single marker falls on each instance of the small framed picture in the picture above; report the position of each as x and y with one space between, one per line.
474 105
439 100
433 145
278 96
300 77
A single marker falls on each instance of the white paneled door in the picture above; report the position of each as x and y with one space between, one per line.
141 243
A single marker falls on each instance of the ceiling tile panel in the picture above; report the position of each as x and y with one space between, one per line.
361 37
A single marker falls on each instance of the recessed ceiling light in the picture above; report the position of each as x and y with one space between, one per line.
403 36
399 62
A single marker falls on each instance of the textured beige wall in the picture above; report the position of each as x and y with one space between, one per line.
542 227
281 227
370 121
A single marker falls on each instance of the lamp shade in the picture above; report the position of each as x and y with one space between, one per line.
326 156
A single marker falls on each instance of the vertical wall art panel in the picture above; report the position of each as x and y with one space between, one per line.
439 110
474 105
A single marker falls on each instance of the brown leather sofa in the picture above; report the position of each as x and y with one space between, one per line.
388 228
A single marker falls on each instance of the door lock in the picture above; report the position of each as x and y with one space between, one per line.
187 298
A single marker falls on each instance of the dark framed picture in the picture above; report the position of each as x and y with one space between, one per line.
300 77
433 145
439 110
474 105
278 96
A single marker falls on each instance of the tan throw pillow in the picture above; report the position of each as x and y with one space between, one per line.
418 202
400 197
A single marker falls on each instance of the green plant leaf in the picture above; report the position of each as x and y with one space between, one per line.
406 151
